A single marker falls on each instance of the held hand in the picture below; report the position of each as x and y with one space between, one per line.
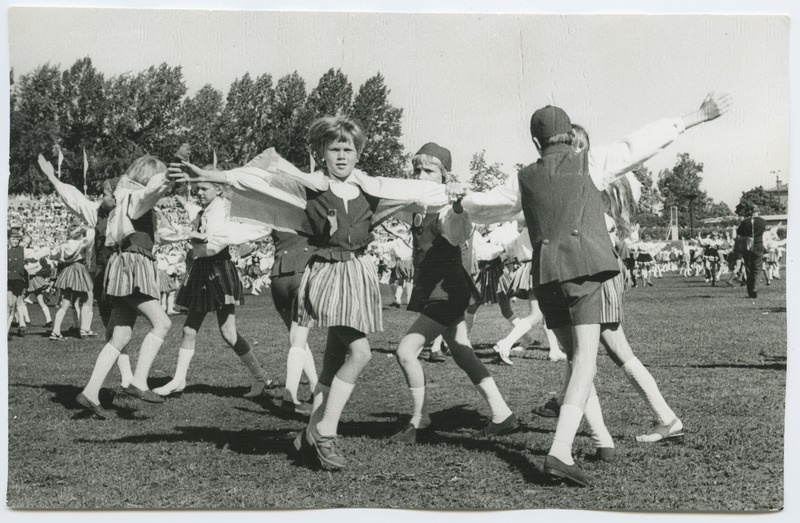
47 168
186 172
455 191
715 105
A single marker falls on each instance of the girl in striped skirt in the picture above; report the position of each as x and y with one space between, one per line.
74 281
39 281
339 289
131 280
213 285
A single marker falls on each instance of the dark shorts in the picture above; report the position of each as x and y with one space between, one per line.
573 302
443 312
284 291
17 287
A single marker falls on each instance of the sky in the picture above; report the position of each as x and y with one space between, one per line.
471 81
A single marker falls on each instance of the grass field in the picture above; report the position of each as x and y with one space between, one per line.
719 358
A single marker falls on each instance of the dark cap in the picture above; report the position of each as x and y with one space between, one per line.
548 122
438 152
14 231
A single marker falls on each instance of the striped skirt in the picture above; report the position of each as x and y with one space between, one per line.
37 283
128 273
340 294
488 281
210 285
613 291
74 277
520 282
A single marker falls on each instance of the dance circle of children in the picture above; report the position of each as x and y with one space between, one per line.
573 215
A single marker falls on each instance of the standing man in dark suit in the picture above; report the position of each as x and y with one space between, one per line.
753 227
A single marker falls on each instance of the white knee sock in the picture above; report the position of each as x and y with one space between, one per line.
125 372
419 418
337 399
488 389
568 422
594 418
147 354
46 312
469 319
60 313
646 386
295 361
310 368
521 327
321 393
102 366
437 344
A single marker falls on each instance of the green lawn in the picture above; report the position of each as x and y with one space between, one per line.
719 358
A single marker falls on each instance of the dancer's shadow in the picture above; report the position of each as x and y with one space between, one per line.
244 441
64 395
271 405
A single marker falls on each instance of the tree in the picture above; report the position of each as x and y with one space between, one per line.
381 123
650 200
483 175
717 210
201 124
767 203
332 96
35 122
681 185
291 119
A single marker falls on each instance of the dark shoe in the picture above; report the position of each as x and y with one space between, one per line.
57 337
96 409
507 426
21 332
605 454
395 305
551 409
296 408
48 325
437 357
87 334
328 453
144 395
408 435
752 295
560 471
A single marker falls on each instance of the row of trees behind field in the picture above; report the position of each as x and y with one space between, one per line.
116 119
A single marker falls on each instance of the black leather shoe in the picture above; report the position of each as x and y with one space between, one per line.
407 435
437 357
86 403
507 426
296 408
144 395
560 471
551 409
605 454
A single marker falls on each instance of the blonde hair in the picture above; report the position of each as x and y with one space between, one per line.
144 168
621 206
328 129
419 159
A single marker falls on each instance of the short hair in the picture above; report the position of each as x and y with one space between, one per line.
328 129
581 138
419 159
144 168
564 138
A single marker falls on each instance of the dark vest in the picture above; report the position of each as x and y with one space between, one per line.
352 232
564 213
142 240
292 253
16 264
438 270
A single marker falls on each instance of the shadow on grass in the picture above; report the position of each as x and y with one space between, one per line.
65 395
776 310
244 441
754 366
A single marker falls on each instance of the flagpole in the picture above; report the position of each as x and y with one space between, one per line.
85 169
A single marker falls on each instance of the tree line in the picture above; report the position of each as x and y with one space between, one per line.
120 118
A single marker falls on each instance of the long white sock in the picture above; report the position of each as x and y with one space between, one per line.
337 399
45 311
488 389
437 344
181 370
469 319
295 360
87 313
594 418
398 294
321 393
568 422
147 354
646 386
521 327
102 366
125 372
420 407
59 319
552 342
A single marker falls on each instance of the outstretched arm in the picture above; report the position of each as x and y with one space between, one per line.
74 199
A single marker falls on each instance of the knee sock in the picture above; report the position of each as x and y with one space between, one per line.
469 319
488 389
86 316
125 372
398 294
295 361
552 342
646 386
419 417
521 327
102 366
24 316
568 422
147 354
60 313
337 398
594 418
321 393
45 311
310 368
437 344
178 382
